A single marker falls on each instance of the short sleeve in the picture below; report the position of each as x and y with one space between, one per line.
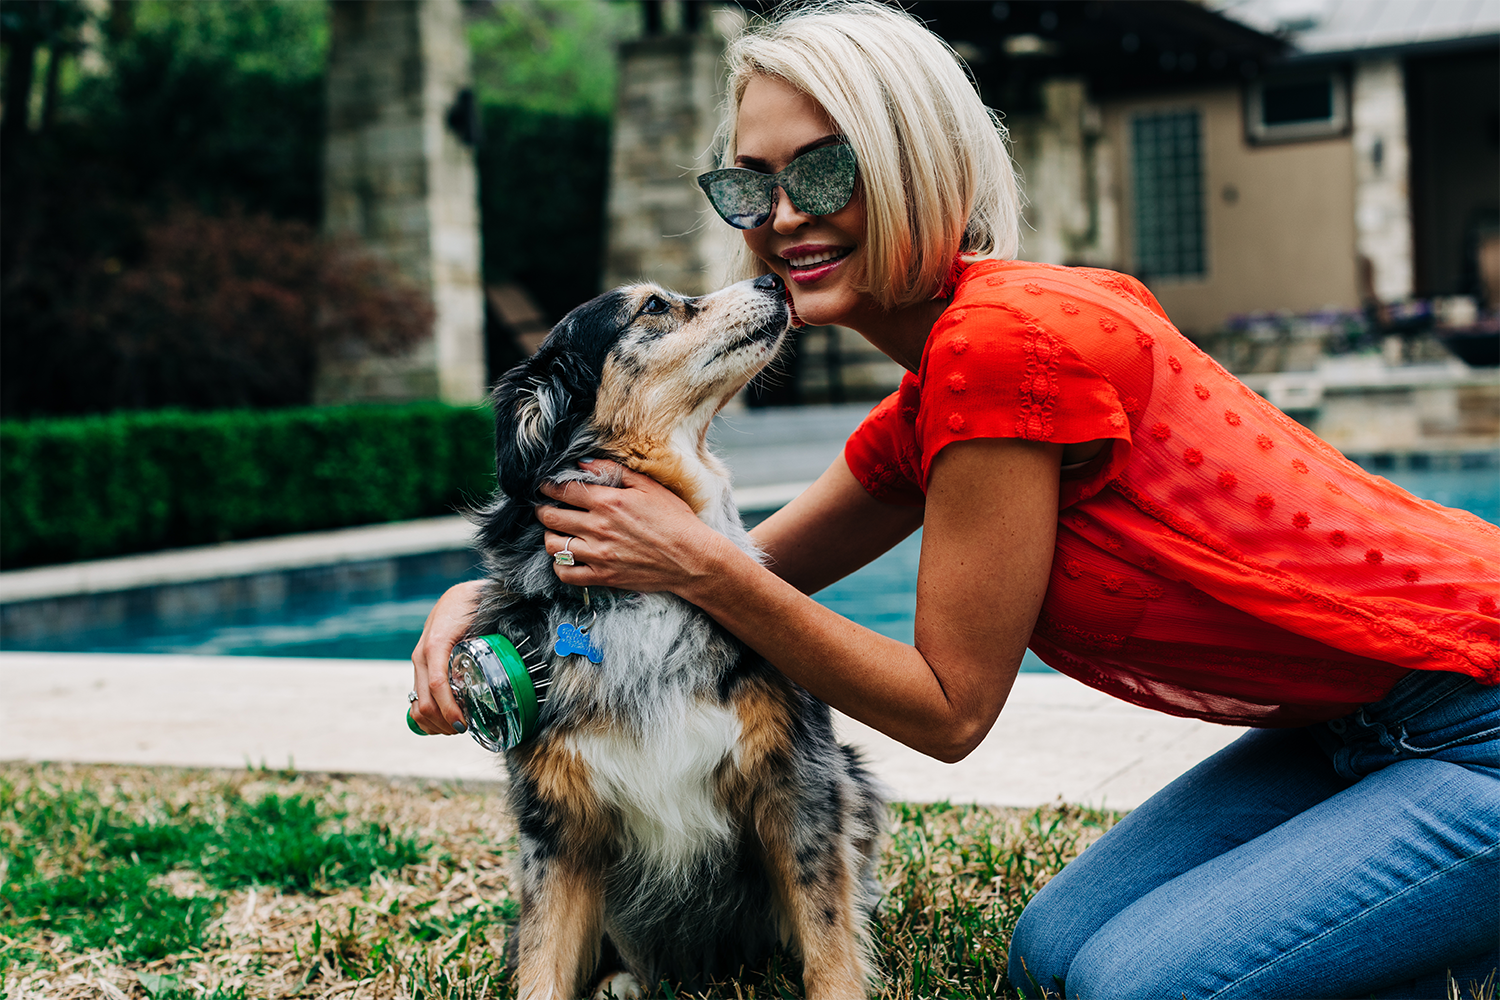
995 371
882 450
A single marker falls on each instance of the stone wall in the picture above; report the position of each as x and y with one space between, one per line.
1066 168
660 226
401 182
1382 195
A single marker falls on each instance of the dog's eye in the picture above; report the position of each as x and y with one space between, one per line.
655 306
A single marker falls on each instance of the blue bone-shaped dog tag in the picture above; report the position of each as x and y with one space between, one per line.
570 640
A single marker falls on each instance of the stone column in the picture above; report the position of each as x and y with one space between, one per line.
400 181
660 226
1070 210
1382 198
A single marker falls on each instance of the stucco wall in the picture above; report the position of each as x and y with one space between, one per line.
1279 218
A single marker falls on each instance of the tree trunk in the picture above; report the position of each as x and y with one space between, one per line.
49 89
121 19
18 72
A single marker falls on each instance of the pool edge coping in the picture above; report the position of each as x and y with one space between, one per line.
284 552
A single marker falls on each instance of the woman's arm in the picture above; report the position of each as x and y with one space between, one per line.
988 536
832 529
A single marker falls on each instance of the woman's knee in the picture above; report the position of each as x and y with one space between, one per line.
1130 966
1056 922
1032 964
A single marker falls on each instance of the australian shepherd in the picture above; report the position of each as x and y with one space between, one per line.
683 808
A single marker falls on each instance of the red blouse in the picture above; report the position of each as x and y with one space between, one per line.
1217 560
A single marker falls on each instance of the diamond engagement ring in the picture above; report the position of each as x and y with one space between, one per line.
411 696
564 558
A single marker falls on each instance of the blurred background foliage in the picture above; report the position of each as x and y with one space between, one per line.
540 174
554 56
132 130
545 75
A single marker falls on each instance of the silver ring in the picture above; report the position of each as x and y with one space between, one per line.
411 696
564 558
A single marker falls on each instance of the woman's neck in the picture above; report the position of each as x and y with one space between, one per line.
900 334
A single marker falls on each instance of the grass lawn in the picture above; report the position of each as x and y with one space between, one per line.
169 884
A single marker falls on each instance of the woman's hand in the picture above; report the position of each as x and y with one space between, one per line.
435 709
637 536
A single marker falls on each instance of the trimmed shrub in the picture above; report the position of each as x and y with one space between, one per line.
90 487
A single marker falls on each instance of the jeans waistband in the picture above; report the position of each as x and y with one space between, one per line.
1428 713
1416 692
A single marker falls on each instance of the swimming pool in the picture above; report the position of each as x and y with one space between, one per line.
384 622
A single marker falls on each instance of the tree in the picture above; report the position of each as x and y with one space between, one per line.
53 28
551 56
159 243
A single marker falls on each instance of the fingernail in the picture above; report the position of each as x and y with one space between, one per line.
585 461
459 728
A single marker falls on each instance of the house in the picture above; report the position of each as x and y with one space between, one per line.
1267 156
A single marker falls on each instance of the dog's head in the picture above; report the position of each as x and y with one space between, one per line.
635 375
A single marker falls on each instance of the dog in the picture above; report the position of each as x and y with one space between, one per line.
683 807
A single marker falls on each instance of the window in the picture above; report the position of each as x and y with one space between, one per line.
1168 171
1306 105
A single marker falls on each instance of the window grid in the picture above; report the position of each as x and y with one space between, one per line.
1168 168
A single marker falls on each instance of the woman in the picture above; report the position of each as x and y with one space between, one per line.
1091 485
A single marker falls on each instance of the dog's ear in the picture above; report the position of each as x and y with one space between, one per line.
534 419
540 404
543 405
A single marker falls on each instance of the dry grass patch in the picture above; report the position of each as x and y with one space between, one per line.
130 882
433 926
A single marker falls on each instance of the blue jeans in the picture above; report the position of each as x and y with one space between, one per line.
1355 857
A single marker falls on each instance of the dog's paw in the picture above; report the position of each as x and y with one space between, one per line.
619 986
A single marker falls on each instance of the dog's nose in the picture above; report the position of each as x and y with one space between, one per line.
769 283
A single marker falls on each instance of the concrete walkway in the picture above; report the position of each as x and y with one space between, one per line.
1056 738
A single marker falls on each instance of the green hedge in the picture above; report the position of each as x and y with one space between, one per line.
90 487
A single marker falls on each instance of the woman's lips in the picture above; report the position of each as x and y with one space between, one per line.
806 264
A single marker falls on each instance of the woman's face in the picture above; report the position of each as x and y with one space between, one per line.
821 257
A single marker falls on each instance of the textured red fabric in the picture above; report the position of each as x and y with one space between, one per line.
1218 560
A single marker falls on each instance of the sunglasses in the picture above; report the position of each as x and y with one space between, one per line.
818 182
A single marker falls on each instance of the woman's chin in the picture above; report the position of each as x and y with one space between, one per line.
824 307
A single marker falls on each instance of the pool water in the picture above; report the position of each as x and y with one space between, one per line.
385 626
881 596
1476 490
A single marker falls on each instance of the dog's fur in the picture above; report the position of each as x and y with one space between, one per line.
683 807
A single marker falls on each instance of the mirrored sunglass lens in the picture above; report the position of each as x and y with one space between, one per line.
742 199
818 182
821 181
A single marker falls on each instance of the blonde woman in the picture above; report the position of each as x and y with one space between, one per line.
1092 486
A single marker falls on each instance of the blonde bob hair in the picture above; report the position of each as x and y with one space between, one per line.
932 159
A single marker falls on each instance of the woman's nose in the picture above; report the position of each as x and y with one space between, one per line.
785 216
